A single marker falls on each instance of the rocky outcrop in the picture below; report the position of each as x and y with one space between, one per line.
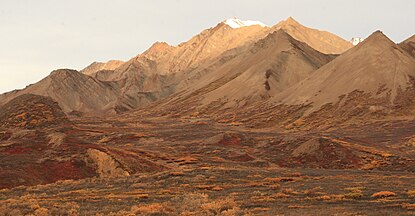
105 165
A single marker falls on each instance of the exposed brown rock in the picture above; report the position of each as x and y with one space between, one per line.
106 166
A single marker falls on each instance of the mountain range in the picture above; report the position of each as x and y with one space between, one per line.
238 65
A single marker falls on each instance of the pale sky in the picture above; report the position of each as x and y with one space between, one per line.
39 36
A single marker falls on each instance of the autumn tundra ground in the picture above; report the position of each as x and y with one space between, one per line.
195 166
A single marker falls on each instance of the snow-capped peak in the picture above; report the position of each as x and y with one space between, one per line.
356 40
237 23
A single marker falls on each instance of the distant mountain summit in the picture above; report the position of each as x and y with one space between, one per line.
322 41
237 23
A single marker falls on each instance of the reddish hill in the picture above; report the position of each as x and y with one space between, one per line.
32 111
38 145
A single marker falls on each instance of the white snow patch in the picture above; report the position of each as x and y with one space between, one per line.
356 40
237 23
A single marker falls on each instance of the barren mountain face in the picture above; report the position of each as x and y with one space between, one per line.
201 48
255 72
322 41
